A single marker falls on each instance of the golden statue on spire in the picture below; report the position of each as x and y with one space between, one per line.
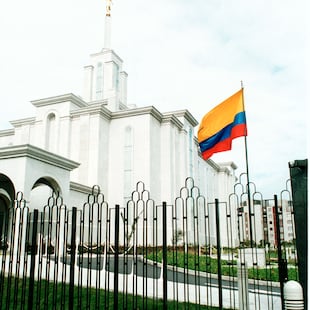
108 7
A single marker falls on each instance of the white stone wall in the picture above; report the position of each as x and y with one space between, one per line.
90 136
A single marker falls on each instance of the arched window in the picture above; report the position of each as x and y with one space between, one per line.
128 163
99 81
51 132
116 77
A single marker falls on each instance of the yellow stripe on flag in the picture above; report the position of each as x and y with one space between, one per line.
220 116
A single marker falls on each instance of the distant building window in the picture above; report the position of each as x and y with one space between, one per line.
99 81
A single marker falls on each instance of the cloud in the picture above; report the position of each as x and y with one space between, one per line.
178 54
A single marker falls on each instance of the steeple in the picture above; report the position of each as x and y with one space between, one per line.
104 79
107 24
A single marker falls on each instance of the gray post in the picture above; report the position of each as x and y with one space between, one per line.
243 284
293 295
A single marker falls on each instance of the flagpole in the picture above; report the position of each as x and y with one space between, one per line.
247 173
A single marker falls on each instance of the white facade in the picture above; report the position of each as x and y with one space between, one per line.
111 145
72 144
108 148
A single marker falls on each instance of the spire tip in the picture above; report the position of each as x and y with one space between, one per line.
108 8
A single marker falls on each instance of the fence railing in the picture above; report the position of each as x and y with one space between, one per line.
191 254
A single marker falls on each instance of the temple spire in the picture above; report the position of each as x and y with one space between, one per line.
107 28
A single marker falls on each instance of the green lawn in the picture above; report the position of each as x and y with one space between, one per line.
207 264
49 296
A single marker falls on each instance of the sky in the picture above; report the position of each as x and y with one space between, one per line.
178 55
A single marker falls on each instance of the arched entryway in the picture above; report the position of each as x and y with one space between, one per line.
42 198
7 195
41 191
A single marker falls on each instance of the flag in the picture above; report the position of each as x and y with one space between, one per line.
221 125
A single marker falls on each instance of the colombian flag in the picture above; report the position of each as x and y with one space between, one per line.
221 125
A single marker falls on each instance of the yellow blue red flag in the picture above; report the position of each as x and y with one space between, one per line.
221 125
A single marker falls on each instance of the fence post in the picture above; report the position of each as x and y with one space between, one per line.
72 257
281 262
218 247
116 258
165 287
299 186
33 257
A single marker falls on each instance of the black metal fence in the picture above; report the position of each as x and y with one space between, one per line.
193 254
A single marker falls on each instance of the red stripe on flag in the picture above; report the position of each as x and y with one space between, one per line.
225 145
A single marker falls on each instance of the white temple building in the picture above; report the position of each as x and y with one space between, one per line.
73 143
